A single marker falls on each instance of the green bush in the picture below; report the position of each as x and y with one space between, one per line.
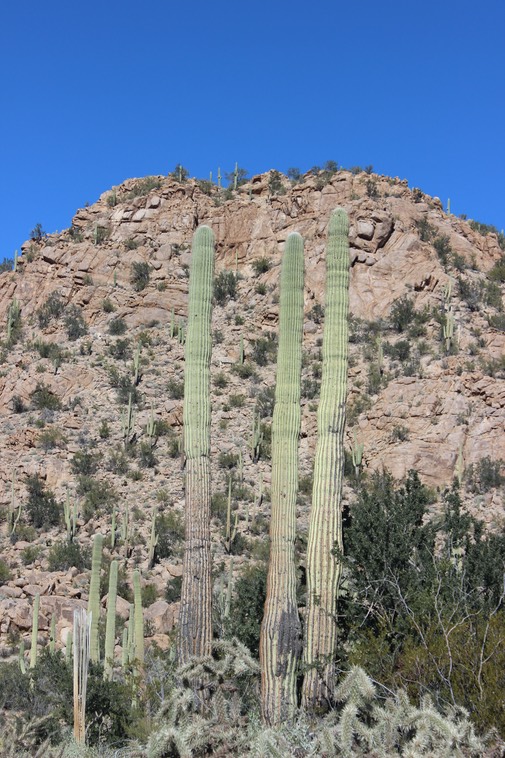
173 589
84 463
261 265
225 287
75 324
143 187
170 531
443 249
497 273
265 349
5 573
41 507
64 555
175 389
117 326
247 607
97 496
147 459
124 386
484 475
51 438
43 398
402 313
140 275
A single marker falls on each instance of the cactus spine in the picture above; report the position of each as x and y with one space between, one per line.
195 624
281 630
325 525
110 628
94 597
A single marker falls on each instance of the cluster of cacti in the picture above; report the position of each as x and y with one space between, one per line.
325 524
195 622
281 631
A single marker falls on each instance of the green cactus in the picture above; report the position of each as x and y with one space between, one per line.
281 629
113 527
195 623
448 330
13 321
153 541
127 421
138 620
94 597
357 455
35 631
231 532
110 627
15 260
172 323
69 646
325 524
70 512
21 657
256 438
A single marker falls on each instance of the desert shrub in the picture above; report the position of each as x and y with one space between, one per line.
265 402
175 389
399 351
18 405
228 460
97 496
85 463
426 230
50 350
5 573
41 506
64 555
104 430
124 386
265 349
170 531
497 273
51 438
52 309
108 305
220 381
173 589
247 607
470 292
117 326
43 398
225 287
143 187
443 249
147 459
492 295
75 324
484 475
244 370
120 350
402 313
139 275
118 462
497 322
261 265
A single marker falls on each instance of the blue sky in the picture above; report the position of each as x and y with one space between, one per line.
94 93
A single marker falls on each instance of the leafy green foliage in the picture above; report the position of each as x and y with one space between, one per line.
247 607
43 398
140 274
64 555
225 287
41 506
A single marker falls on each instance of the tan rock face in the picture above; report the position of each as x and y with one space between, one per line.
416 412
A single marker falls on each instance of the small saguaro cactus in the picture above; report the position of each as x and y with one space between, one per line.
325 523
280 640
110 627
35 631
94 596
195 622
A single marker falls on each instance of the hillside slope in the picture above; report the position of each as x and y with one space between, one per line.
117 279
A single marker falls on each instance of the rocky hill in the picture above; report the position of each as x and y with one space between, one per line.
426 386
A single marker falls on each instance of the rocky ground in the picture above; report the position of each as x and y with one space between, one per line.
415 400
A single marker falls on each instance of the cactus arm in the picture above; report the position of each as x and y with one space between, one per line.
138 620
195 624
325 523
281 630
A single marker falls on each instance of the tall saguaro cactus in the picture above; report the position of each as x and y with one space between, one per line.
325 525
195 622
280 630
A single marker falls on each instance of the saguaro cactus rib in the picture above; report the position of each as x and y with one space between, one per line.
325 525
195 623
280 630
